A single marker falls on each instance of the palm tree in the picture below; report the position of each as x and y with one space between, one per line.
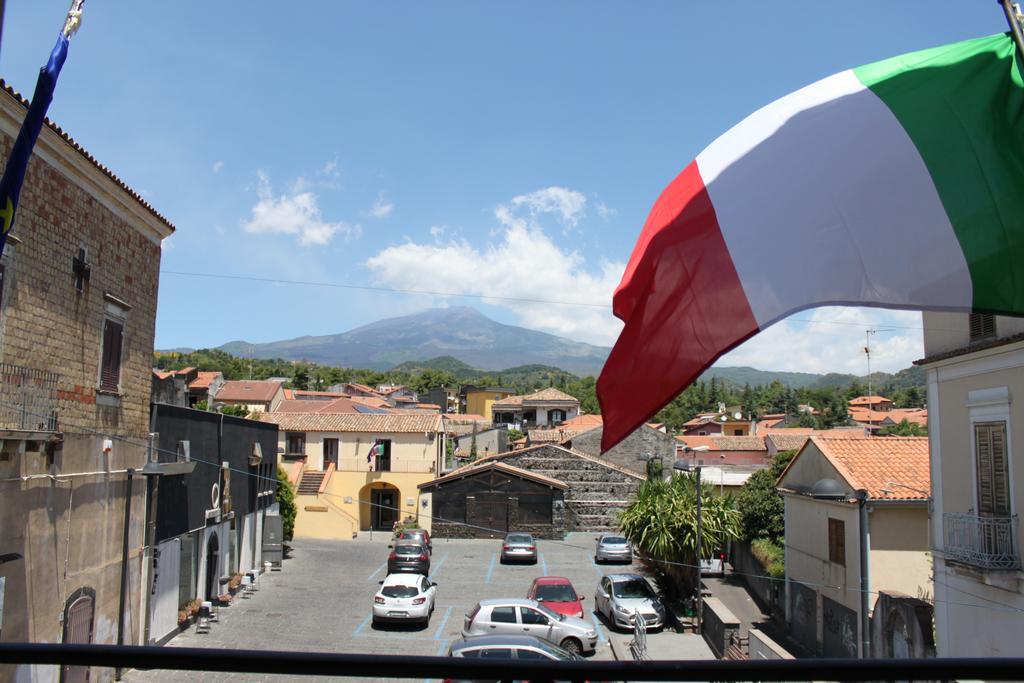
662 522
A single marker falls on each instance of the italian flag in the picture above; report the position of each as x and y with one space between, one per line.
899 184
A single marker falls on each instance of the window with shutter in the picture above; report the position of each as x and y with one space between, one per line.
837 541
110 359
992 471
983 326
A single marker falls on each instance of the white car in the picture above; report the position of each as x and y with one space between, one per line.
404 598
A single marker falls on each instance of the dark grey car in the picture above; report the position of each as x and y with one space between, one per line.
409 557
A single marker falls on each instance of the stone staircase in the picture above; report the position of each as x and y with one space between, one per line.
310 483
596 493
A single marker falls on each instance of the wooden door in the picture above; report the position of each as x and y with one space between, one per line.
78 629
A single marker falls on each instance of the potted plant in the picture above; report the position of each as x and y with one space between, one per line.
234 582
224 600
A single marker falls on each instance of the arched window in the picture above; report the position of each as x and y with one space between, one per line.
79 611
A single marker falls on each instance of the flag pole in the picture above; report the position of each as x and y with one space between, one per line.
1014 19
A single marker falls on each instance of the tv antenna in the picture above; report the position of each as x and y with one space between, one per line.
867 352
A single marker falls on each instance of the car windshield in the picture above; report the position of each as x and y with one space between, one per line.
399 591
632 588
613 540
551 613
555 593
519 538
408 550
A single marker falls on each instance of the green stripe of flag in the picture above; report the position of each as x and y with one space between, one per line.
963 107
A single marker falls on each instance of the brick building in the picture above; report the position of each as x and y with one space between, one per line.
78 294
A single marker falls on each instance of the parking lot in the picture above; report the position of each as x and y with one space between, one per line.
321 600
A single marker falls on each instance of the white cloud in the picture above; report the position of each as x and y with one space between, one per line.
295 213
330 169
522 263
604 211
437 231
568 205
217 166
831 339
381 207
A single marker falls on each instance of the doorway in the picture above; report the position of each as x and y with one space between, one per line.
383 509
330 453
78 629
212 568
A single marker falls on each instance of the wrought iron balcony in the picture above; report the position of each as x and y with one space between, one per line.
28 398
984 542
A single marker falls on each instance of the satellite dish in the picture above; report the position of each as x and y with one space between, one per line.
724 418
738 416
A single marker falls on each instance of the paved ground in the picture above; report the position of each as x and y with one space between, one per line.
321 600
733 593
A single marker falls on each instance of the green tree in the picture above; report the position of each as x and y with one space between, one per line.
286 503
235 410
904 428
654 468
760 506
662 522
300 380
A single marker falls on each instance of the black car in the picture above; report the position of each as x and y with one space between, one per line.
409 557
420 536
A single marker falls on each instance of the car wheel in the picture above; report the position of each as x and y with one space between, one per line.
374 623
597 560
572 646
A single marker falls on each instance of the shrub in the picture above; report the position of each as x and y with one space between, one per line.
286 503
771 555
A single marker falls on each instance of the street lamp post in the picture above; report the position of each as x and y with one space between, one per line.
683 466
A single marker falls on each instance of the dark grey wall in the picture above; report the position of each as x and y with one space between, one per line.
183 499
627 453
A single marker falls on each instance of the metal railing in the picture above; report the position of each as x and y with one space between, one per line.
28 398
985 542
638 646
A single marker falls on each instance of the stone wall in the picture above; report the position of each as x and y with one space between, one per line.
632 452
69 530
597 492
45 324
718 625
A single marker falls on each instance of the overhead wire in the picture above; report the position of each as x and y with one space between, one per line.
498 297
147 445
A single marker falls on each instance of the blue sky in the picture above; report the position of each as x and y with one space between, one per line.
495 149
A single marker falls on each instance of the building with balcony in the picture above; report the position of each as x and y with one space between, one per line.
478 400
358 472
975 372
78 295
853 503
545 408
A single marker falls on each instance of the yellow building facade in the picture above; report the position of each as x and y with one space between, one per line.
479 401
359 472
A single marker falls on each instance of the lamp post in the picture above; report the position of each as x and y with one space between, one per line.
683 466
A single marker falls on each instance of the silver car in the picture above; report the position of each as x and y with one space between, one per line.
509 647
516 616
612 548
620 596
519 548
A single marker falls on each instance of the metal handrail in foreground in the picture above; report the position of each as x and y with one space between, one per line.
391 666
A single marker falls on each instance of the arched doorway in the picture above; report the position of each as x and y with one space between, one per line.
212 568
379 506
78 628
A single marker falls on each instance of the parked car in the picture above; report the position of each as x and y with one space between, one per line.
509 647
409 557
557 593
404 598
519 548
420 536
529 617
620 596
613 548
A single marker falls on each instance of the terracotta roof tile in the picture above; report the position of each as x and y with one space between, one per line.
203 379
868 400
890 468
549 394
465 417
725 443
89 157
248 390
346 422
370 401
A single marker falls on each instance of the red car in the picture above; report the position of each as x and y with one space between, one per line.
557 593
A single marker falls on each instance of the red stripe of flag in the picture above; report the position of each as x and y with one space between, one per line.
683 305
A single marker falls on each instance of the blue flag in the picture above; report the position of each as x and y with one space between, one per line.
17 163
